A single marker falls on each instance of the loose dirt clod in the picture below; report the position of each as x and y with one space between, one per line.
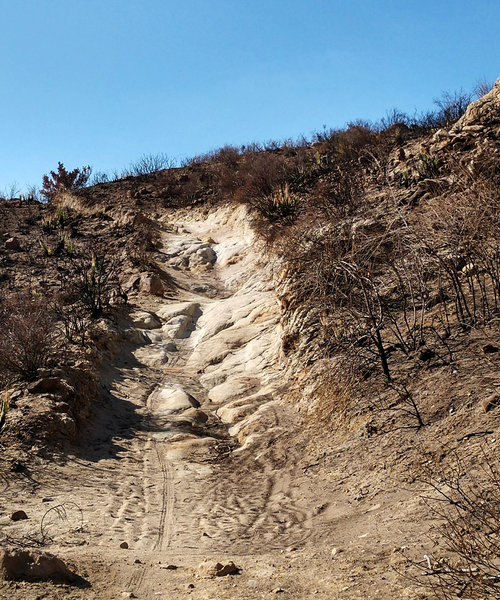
33 565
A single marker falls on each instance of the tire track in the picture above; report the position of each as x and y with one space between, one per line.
165 527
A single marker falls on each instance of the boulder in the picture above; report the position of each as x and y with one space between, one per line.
145 320
207 254
189 309
177 327
174 399
33 565
52 385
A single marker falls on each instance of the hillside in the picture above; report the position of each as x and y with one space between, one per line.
282 358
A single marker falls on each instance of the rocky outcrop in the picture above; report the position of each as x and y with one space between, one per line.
478 129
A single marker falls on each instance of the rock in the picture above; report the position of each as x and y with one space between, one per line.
277 590
196 416
208 254
151 284
33 565
216 569
12 244
336 551
491 402
175 399
124 545
490 349
135 336
132 283
138 561
51 385
18 515
128 595
484 111
177 327
145 320
171 567
190 309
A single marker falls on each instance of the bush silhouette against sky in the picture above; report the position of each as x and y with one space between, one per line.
101 83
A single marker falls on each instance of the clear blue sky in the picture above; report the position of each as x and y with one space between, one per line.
102 82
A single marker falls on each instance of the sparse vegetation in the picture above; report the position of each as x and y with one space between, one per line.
279 206
93 280
383 240
467 507
63 180
28 339
149 163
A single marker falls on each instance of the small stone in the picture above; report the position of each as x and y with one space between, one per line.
336 551
12 244
171 567
191 586
138 561
277 590
128 595
124 545
18 515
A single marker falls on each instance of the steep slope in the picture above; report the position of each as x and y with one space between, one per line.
236 418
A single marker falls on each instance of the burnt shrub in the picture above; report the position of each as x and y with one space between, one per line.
28 336
62 180
93 280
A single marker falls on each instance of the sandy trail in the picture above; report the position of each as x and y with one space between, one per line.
179 461
193 453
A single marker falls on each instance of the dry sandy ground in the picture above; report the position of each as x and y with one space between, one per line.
195 454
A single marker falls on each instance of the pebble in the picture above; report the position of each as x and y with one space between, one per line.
124 545
18 515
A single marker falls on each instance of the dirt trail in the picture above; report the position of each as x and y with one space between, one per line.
193 454
154 469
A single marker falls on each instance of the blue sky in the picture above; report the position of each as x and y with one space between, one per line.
102 82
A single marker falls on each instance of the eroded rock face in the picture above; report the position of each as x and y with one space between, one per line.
485 111
477 129
33 565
